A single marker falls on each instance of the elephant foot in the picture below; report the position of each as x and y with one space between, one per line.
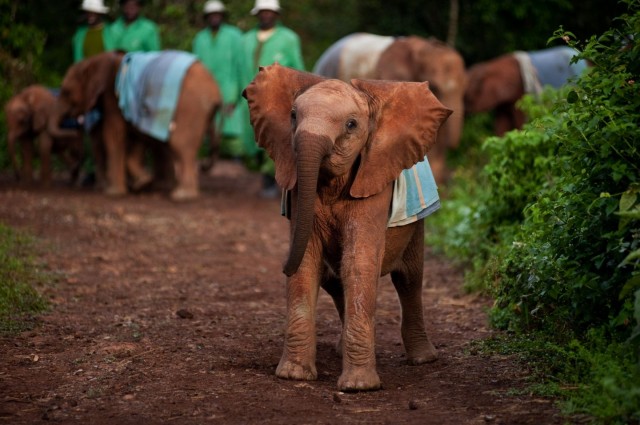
359 379
141 182
115 191
422 353
289 370
181 194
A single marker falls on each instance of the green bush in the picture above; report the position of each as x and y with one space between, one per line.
18 277
21 48
564 268
551 228
484 205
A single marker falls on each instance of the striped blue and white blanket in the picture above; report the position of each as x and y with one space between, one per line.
148 85
415 195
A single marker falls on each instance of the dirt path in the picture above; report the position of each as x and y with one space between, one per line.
166 313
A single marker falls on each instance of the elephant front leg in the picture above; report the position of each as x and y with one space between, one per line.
140 177
114 135
298 359
358 335
45 148
26 170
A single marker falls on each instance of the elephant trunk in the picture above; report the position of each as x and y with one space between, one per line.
453 125
53 124
311 150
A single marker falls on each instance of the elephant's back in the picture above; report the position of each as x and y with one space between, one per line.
553 66
353 56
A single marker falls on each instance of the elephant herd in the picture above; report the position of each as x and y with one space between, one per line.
175 130
349 143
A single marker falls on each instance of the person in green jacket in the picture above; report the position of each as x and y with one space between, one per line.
92 37
219 47
132 32
270 42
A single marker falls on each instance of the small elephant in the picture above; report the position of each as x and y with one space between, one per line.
27 114
496 85
150 97
412 58
337 148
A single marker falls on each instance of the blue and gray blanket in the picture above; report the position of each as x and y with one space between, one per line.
148 86
548 67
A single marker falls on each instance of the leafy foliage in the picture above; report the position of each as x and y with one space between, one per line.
21 47
551 226
564 268
18 276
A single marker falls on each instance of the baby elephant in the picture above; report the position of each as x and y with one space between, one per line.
27 114
338 148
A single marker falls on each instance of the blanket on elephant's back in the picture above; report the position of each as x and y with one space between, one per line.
148 85
551 66
415 196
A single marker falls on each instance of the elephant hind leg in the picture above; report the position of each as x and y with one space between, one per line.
407 280
27 157
140 177
184 151
333 285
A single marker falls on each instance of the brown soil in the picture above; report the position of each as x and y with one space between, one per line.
174 313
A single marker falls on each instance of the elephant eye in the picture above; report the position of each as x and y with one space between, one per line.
352 125
293 116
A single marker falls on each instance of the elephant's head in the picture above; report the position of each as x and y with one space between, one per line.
493 83
419 59
83 85
364 133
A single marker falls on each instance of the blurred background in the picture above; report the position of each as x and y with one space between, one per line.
38 32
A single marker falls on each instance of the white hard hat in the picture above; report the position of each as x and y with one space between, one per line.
266 5
214 6
96 6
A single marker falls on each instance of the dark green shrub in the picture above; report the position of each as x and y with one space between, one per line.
551 228
564 269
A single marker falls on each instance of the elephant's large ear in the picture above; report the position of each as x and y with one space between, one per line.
406 118
271 95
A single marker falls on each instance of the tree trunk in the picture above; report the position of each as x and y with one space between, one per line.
454 9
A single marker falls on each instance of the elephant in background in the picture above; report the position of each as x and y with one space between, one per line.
27 116
91 83
338 148
496 85
369 56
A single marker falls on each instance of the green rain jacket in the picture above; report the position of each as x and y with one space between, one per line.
283 47
221 54
140 35
79 39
